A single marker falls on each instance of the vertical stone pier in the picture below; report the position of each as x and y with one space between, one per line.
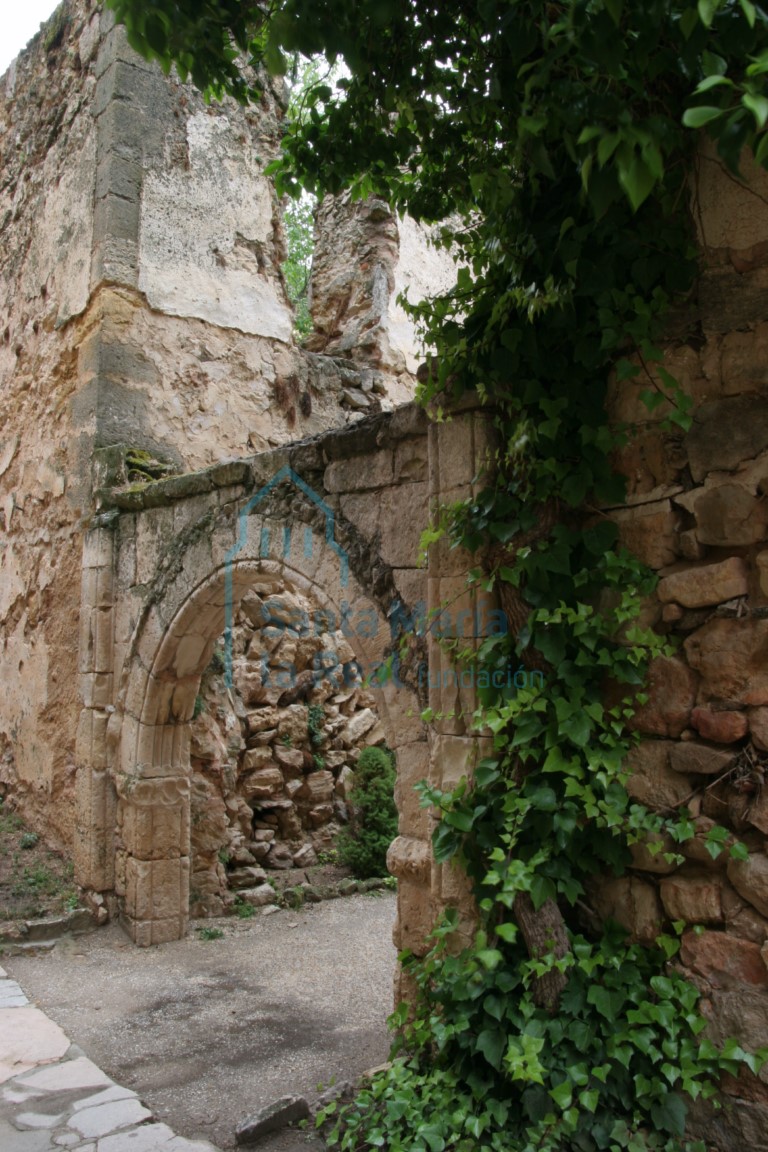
95 803
460 462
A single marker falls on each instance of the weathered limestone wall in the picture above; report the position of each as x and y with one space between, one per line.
48 162
141 303
698 514
365 257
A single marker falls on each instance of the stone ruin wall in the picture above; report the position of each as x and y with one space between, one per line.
269 788
697 513
121 323
355 307
141 303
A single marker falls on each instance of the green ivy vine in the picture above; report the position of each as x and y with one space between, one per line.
555 140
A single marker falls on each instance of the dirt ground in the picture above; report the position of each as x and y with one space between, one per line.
207 1031
34 881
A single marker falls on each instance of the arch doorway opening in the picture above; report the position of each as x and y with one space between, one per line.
291 778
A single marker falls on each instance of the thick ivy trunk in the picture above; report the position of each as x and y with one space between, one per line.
545 935
544 929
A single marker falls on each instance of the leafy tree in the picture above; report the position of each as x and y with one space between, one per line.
299 233
559 135
373 824
305 76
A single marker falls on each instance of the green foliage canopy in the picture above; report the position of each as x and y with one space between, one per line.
373 815
557 137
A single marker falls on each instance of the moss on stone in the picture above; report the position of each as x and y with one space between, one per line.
55 28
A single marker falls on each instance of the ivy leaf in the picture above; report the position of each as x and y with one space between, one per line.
507 932
562 1094
651 398
433 1136
700 115
536 1104
626 370
156 35
589 1100
607 1003
578 729
460 819
503 531
574 489
615 9
542 889
707 10
688 22
715 81
749 11
445 843
758 106
637 180
486 773
669 1115
491 1043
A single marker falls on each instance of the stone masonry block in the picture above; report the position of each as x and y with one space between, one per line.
93 846
130 84
86 628
410 859
374 470
653 782
671 687
363 510
453 887
401 524
98 547
650 531
114 47
115 218
411 461
118 176
154 833
115 261
732 659
450 561
105 587
694 898
416 916
103 649
706 584
157 699
453 757
99 751
412 767
157 889
185 694
139 701
97 689
401 714
730 515
455 452
84 737
146 933
89 586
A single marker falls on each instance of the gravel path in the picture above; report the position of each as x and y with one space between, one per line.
208 1031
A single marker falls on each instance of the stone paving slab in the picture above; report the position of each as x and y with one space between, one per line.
54 1099
11 996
